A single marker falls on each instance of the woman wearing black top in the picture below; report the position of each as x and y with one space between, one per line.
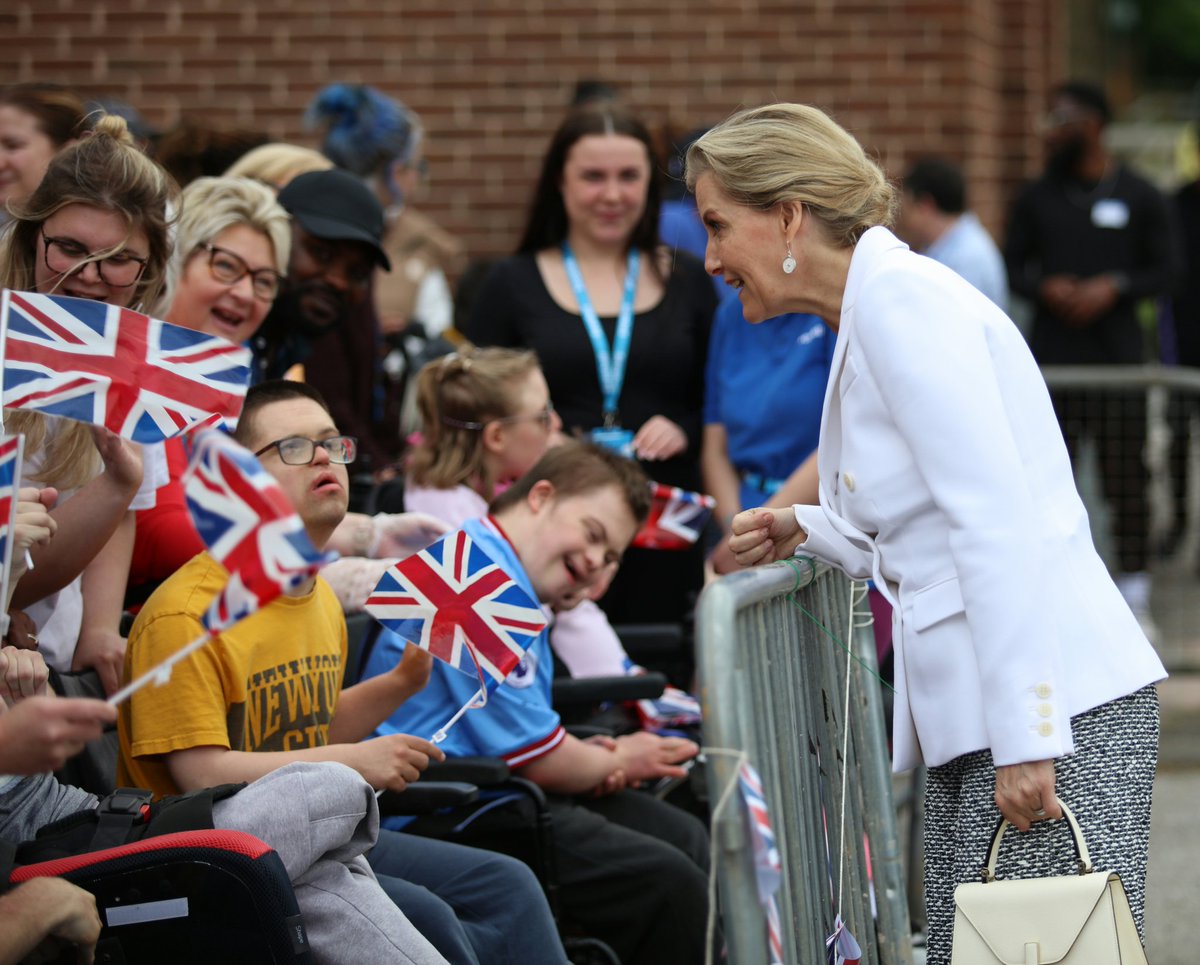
619 324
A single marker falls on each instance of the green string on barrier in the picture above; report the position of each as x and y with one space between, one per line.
794 563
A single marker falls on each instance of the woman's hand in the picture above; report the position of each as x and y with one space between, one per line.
33 524
1025 793
399 535
659 438
764 536
23 673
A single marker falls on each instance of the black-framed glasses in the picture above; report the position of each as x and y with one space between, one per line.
229 268
65 256
544 416
300 450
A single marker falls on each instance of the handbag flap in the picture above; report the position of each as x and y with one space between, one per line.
1049 911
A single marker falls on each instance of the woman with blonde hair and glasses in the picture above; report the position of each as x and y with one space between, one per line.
1021 675
233 241
96 227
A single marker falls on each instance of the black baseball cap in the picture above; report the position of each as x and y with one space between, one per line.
336 206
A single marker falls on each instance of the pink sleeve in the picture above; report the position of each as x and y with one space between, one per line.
585 641
452 506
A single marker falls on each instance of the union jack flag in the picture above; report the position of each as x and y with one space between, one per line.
455 601
843 947
249 527
676 519
767 865
144 379
10 481
675 708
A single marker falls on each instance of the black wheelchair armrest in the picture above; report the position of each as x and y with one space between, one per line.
651 638
424 797
480 771
586 691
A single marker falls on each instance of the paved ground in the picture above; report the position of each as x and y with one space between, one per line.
1173 899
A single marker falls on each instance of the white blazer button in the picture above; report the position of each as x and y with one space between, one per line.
1045 710
1043 690
1045 729
848 479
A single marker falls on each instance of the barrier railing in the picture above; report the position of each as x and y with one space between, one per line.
1136 434
773 678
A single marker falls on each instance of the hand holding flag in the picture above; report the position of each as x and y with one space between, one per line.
143 378
456 602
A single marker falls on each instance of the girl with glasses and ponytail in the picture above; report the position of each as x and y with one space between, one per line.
97 227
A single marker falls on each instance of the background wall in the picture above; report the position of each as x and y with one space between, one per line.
964 78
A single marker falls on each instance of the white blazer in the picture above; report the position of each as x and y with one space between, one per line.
944 477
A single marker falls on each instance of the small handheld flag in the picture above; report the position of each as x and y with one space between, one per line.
676 519
143 378
455 601
250 528
675 708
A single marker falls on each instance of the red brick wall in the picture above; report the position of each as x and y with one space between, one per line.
965 78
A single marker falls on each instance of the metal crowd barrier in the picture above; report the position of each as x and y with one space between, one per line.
1157 408
773 685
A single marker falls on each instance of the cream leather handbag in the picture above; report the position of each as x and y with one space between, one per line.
1080 919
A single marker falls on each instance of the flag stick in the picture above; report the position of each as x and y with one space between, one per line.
440 735
159 674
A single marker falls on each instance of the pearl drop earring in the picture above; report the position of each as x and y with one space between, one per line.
789 263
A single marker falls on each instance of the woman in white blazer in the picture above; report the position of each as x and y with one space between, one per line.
1020 672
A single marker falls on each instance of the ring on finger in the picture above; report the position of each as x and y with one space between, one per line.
1039 813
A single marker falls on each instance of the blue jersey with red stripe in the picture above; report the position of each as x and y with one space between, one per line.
518 722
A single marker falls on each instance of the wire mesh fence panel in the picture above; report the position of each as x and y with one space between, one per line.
1133 433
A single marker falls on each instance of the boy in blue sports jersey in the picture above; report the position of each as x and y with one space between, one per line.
632 869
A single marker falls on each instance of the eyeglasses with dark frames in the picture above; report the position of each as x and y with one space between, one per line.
66 256
229 268
300 450
544 416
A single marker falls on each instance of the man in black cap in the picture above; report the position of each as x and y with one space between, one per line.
325 309
337 232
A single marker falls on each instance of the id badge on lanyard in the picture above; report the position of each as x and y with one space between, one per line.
610 362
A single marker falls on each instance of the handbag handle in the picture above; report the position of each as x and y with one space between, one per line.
1083 859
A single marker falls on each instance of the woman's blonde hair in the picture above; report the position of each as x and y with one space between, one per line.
456 395
277 163
68 458
792 152
106 170
209 206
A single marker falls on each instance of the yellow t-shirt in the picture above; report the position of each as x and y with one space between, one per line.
270 683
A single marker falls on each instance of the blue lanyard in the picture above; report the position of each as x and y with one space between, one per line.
610 366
